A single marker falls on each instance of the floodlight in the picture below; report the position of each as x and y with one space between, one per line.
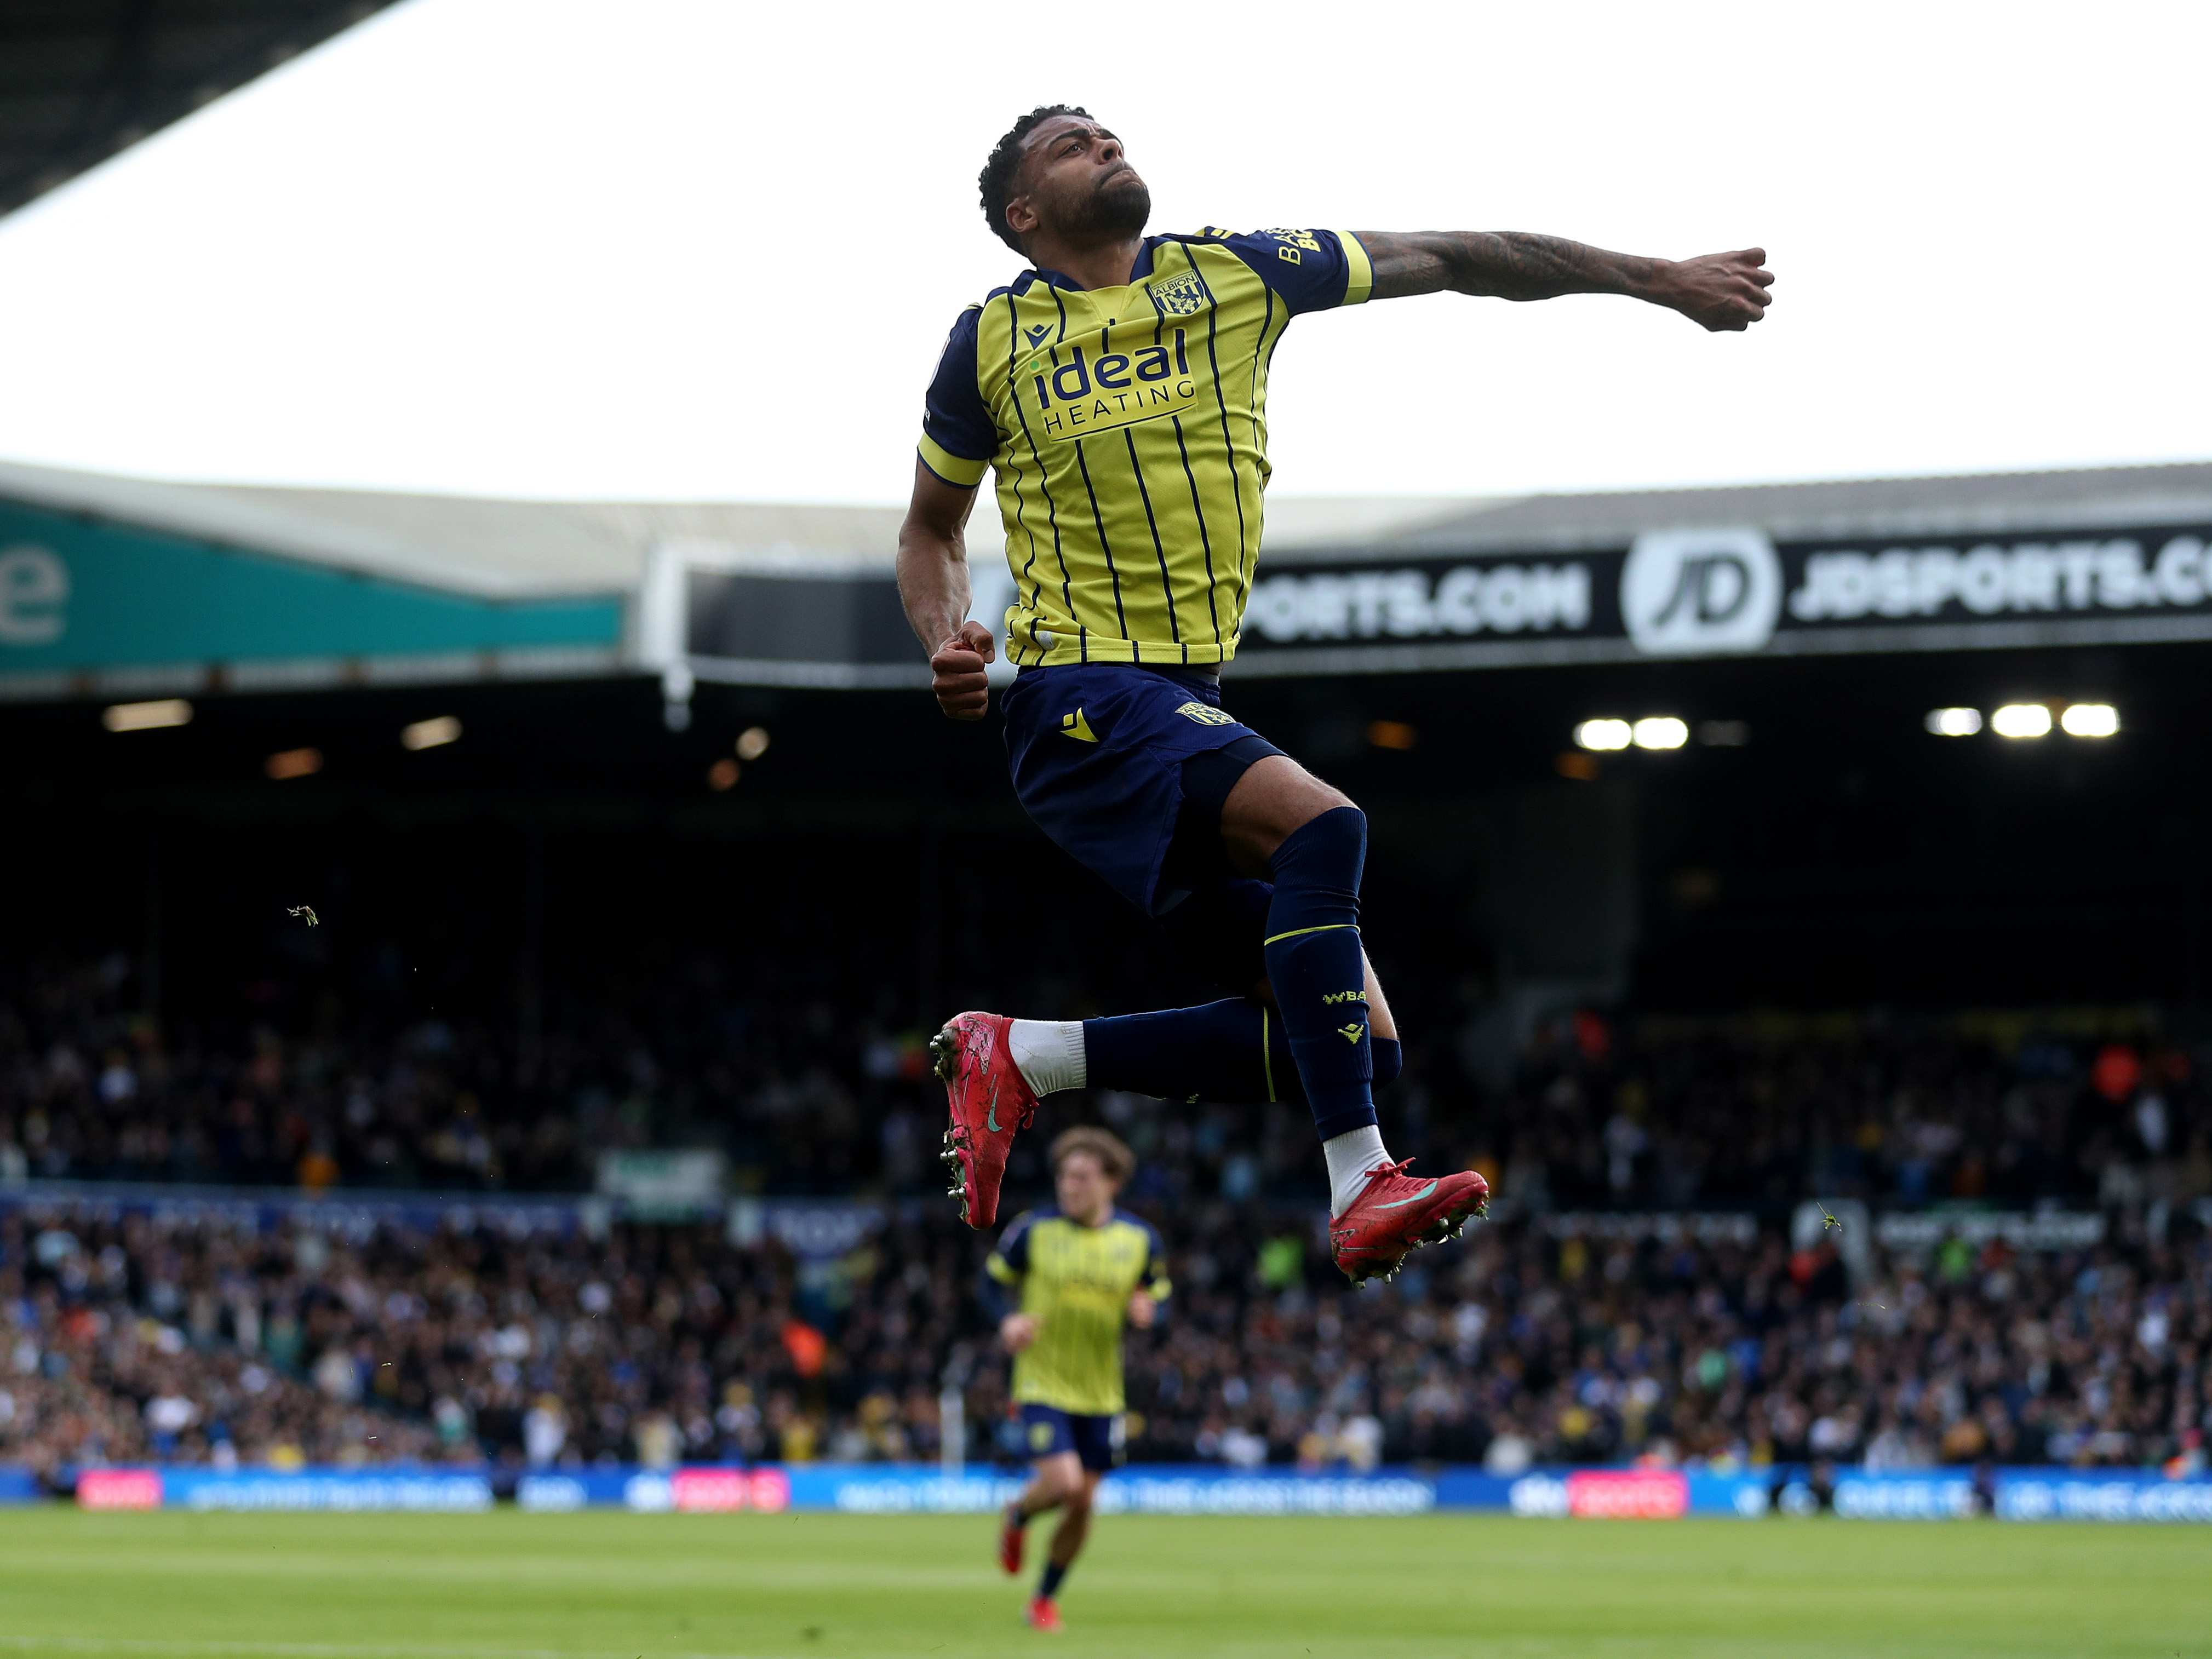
753 743
2021 720
147 716
2090 720
430 733
1953 722
1602 734
1660 732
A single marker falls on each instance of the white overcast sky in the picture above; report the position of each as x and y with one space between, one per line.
696 249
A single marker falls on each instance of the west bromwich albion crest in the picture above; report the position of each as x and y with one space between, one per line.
1181 295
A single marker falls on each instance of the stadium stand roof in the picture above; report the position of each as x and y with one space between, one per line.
508 549
322 585
1987 503
499 549
82 79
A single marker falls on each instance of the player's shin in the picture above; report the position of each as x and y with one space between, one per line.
1215 1051
1318 973
1235 1051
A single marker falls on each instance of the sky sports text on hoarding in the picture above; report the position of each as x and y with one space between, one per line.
1716 592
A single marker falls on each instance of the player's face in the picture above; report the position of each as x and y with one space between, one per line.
1082 1188
1074 181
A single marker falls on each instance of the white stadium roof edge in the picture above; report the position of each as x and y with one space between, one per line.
499 549
118 583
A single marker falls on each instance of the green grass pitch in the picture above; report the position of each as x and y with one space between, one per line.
506 1585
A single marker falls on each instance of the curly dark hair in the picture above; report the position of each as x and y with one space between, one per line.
996 182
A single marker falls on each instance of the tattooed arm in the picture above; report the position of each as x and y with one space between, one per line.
1718 291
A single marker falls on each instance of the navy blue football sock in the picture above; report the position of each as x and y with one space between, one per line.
1232 1051
1211 1052
1316 967
1048 1586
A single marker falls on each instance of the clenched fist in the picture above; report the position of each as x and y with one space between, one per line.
956 673
1725 293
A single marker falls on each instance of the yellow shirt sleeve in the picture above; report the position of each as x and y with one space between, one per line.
956 470
1359 270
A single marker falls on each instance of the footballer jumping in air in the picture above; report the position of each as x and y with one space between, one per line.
1118 390
1075 1272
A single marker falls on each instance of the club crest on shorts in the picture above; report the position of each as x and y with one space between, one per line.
1180 296
1207 715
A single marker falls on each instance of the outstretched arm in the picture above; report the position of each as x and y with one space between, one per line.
1717 291
933 583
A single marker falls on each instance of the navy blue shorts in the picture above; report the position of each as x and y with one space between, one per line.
1097 750
1096 1440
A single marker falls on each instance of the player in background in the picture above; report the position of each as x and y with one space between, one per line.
1117 389
1077 1269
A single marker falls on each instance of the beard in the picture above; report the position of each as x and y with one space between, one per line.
1119 207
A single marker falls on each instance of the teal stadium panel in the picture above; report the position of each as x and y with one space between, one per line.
81 596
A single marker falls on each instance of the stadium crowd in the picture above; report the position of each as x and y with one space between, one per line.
128 1330
815 1097
130 1336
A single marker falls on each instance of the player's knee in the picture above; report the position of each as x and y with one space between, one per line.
1339 817
1329 850
1328 798
1274 804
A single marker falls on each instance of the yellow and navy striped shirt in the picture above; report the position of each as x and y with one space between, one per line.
1075 1282
1128 429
